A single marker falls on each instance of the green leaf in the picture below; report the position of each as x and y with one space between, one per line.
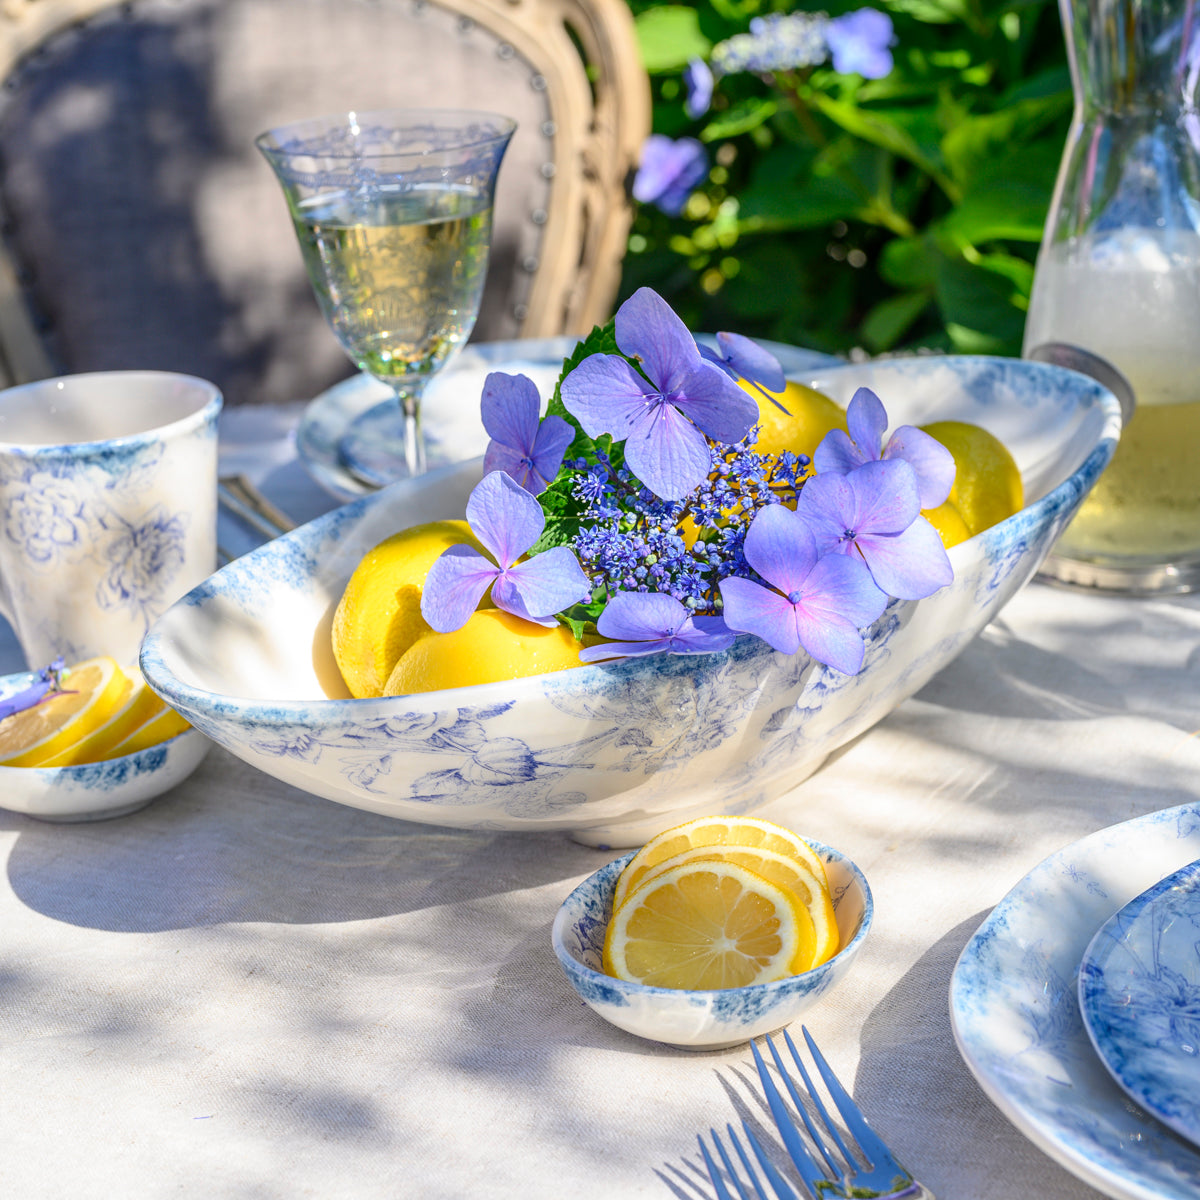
973 145
741 117
1008 199
909 263
978 308
891 319
669 37
581 619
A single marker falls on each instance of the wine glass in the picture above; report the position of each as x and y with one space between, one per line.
393 211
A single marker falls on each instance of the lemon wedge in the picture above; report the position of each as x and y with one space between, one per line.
93 691
708 925
140 705
161 727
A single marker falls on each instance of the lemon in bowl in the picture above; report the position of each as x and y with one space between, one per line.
99 744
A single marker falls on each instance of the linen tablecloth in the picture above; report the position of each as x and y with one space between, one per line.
244 992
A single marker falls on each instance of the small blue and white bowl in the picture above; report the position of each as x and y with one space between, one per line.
97 791
702 1020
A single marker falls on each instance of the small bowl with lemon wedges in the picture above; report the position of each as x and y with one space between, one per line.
714 932
88 742
311 657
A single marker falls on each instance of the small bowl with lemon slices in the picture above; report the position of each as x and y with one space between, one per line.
769 931
100 744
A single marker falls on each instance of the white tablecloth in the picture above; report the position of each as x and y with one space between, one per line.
244 992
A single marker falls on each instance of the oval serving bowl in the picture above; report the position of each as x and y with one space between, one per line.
99 790
702 1020
612 752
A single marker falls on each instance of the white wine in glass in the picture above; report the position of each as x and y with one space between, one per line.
393 212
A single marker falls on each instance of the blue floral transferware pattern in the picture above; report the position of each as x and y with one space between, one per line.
97 538
1139 992
613 751
698 1020
1016 1017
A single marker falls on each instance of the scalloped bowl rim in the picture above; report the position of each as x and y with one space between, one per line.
284 712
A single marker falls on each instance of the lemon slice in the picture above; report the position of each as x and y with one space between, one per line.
707 925
792 876
716 831
140 705
93 691
165 725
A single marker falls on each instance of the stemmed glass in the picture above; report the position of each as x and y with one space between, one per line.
393 211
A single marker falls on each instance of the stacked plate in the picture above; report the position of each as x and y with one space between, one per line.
1081 993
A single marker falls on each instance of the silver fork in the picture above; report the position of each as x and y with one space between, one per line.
874 1172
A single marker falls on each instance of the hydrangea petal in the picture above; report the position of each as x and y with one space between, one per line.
836 454
669 171
640 616
499 457
932 462
647 327
716 404
832 640
780 546
842 588
504 517
541 586
667 452
909 565
698 79
866 420
751 608
454 586
752 361
606 395
509 406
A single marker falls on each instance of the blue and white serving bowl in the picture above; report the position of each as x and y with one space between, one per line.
612 752
702 1020
97 791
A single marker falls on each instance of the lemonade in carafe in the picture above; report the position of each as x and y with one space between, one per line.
1118 274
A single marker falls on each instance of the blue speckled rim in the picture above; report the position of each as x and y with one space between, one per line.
604 881
190 699
206 414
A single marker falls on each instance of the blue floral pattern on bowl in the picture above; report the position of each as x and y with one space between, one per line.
616 751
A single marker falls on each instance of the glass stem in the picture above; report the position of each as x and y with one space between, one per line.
409 394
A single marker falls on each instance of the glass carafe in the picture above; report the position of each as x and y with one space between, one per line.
1118 273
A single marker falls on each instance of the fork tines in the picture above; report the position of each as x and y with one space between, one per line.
826 1163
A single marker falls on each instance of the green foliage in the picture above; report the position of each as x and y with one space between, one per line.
842 213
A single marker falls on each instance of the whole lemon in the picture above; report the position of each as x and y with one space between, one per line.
810 416
987 485
379 615
492 645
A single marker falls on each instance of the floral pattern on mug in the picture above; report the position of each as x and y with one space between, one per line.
142 561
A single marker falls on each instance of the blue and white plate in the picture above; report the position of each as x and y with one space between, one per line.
1015 1010
97 791
1139 992
450 410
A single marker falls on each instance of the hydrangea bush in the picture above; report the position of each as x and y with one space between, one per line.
871 178
637 508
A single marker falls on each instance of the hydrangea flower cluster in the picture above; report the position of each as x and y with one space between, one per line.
857 42
638 508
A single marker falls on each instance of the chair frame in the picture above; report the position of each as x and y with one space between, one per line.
600 126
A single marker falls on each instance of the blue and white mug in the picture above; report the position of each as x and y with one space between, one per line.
108 507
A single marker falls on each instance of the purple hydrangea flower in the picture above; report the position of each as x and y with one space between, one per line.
841 452
875 511
650 622
776 42
662 422
859 42
669 172
529 450
741 358
818 603
46 681
698 79
507 520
